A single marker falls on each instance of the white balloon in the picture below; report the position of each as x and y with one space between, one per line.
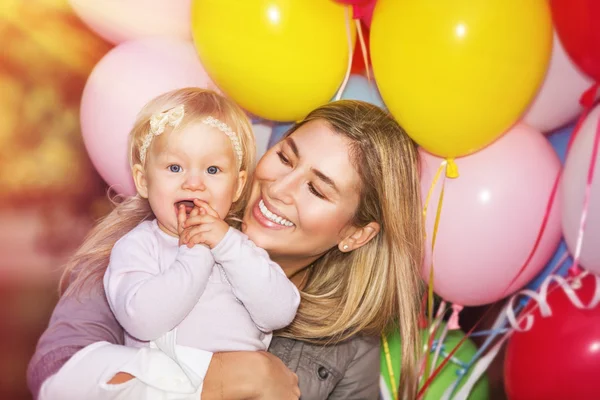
573 186
557 102
121 20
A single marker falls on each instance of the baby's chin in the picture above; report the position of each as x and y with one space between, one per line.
169 229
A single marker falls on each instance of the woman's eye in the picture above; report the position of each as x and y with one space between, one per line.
315 191
212 170
284 160
175 168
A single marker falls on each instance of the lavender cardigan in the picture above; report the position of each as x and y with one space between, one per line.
348 370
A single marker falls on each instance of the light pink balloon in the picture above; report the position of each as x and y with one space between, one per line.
124 80
121 20
572 192
491 216
557 102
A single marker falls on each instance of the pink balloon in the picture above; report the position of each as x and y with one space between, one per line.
121 20
124 80
572 192
491 217
557 102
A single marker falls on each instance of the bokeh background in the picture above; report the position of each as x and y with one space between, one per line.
50 194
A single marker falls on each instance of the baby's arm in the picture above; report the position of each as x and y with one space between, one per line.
260 284
148 302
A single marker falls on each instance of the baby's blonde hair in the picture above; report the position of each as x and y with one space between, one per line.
91 259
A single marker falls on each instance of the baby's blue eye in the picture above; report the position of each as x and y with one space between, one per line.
212 170
175 168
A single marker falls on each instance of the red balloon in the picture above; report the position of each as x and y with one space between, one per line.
559 358
358 59
576 22
362 9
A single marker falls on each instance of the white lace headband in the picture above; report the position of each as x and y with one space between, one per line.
173 118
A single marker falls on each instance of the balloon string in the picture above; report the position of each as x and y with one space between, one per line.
586 199
584 114
432 332
532 252
560 263
488 332
438 173
350 55
436 178
567 285
588 105
540 234
390 367
449 357
386 348
363 47
551 201
439 346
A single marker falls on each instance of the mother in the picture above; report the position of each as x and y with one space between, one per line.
347 177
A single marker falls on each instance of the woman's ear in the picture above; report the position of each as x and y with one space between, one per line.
241 183
358 237
139 178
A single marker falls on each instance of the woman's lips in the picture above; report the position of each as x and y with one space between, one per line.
264 221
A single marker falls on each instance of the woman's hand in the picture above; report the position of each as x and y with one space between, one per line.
248 375
277 381
252 375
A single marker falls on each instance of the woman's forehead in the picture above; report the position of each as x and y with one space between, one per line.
327 151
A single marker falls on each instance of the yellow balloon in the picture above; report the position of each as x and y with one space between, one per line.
279 59
457 74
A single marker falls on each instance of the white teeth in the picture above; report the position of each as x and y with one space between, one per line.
273 217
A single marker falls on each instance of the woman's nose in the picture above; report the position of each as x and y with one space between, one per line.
284 187
193 182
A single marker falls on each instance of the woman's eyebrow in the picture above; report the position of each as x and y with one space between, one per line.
325 179
293 146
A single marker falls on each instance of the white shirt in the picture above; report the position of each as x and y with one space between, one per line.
174 298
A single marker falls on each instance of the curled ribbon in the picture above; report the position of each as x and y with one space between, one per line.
342 88
541 299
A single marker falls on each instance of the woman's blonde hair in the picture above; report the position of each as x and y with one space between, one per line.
91 259
377 286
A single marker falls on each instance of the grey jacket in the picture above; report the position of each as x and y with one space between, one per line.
348 370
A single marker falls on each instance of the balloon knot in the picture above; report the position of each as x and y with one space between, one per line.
574 271
453 321
588 98
451 168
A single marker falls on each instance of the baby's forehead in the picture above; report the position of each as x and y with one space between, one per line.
194 140
191 132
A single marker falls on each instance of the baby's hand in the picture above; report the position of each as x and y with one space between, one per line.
203 226
181 218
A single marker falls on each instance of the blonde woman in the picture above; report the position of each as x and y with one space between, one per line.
346 177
